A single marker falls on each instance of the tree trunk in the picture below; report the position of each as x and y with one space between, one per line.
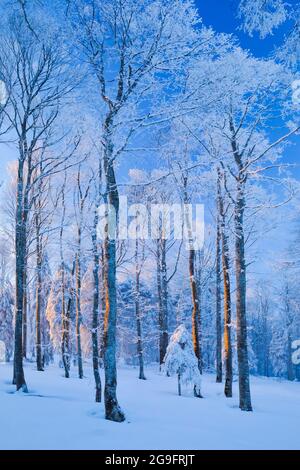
288 325
65 346
227 319
78 307
179 384
240 268
95 324
138 314
103 306
290 365
112 410
20 248
25 304
227 295
165 313
160 306
193 284
218 306
39 355
162 291
195 311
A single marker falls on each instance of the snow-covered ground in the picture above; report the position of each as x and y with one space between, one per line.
59 413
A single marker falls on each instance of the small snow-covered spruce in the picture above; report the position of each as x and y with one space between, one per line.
180 360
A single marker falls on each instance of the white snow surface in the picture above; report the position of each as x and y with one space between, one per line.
59 413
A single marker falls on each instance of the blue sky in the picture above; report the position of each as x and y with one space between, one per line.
222 16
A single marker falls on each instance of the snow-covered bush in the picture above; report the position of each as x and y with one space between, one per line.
180 360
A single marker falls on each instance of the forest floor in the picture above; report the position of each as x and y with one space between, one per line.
59 413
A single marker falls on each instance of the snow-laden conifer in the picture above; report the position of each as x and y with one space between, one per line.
180 360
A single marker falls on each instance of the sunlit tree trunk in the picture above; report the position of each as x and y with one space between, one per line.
226 294
193 281
112 410
241 321
195 308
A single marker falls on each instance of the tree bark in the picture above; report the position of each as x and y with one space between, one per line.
78 307
240 268
65 346
227 295
193 284
138 314
25 305
290 365
288 325
39 355
113 411
179 384
162 291
20 248
218 303
95 323
195 310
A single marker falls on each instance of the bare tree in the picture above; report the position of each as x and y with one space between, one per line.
96 276
40 203
117 35
35 76
82 192
226 283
